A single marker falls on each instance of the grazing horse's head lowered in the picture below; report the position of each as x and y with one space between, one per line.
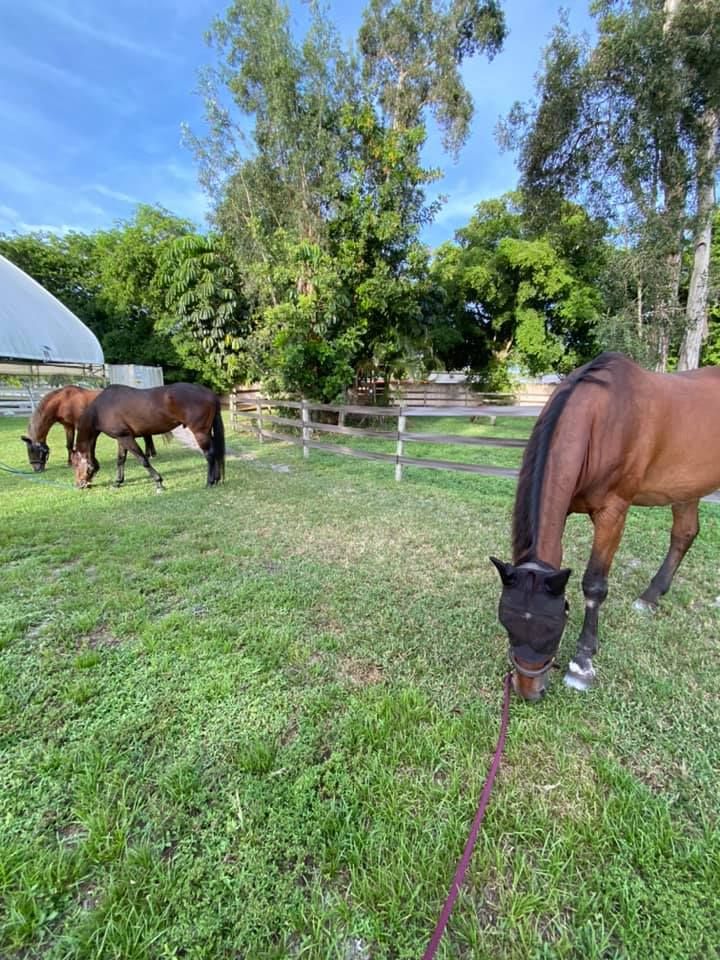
85 466
533 610
38 452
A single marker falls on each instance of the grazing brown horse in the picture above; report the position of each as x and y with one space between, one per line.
65 405
125 413
613 435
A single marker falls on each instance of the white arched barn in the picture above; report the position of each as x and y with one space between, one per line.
38 334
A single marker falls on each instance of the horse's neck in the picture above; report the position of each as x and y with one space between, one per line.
86 431
43 418
561 478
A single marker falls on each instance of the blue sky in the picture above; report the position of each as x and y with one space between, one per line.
93 95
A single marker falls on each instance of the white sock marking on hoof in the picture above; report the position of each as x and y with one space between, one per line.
581 674
644 607
575 683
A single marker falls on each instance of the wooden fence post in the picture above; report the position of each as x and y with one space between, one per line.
258 406
305 413
232 403
399 450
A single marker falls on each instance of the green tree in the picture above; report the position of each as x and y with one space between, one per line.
617 126
518 294
317 180
206 315
412 53
711 347
129 288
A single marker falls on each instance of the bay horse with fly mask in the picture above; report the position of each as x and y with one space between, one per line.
612 436
126 412
65 405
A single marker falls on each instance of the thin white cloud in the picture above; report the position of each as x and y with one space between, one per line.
112 194
103 33
12 222
17 180
33 67
8 215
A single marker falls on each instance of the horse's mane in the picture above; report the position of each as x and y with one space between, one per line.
39 414
44 414
526 515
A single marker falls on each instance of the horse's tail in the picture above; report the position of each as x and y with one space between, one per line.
217 446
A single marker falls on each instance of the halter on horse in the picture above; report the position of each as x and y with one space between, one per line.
612 436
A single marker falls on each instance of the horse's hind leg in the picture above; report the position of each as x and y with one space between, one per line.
685 528
204 442
121 458
130 443
150 450
609 524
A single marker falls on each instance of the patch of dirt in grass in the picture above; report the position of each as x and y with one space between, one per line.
99 639
168 852
488 898
658 776
326 623
88 895
67 567
355 949
37 629
71 834
561 788
549 928
360 672
290 733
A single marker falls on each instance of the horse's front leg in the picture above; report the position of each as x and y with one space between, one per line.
685 527
130 443
70 443
609 524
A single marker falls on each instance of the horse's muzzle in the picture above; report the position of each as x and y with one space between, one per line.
528 680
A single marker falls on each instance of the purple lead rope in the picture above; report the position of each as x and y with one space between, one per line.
474 830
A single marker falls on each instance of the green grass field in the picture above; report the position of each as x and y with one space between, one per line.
253 722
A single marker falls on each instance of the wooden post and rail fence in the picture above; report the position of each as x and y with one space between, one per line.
260 410
306 426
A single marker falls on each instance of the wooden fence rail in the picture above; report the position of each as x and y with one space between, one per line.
305 427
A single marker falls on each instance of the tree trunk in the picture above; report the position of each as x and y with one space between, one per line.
696 312
674 196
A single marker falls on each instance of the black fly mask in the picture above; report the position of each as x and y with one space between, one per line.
38 453
533 609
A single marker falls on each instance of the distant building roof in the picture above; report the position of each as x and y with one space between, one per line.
36 327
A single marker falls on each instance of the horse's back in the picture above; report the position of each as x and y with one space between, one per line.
120 409
652 438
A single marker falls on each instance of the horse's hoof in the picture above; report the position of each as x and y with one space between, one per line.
159 488
578 679
643 606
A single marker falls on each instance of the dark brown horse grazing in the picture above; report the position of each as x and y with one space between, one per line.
125 413
65 405
613 435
